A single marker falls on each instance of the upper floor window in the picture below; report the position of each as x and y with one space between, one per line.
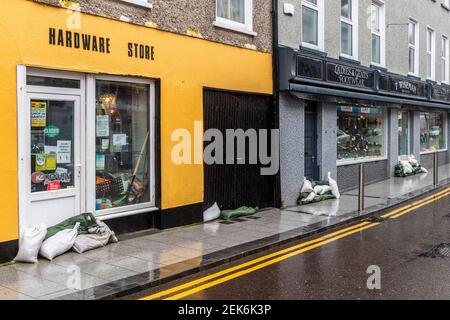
378 33
431 58
236 15
413 43
445 60
312 24
349 28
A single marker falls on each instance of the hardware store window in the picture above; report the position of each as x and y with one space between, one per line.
122 155
361 133
432 132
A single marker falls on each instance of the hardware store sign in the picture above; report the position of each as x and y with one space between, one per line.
95 43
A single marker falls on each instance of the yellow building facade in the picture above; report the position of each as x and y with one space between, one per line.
37 37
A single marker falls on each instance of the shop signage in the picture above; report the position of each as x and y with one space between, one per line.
76 40
38 114
350 76
309 68
54 186
96 43
51 131
440 92
402 85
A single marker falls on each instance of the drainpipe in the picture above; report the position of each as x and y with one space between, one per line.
276 105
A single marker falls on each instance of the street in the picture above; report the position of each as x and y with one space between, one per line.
386 252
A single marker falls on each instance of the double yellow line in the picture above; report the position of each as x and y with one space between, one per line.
217 278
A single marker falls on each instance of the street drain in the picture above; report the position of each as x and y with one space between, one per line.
439 251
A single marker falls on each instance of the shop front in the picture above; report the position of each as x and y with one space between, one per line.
89 116
365 115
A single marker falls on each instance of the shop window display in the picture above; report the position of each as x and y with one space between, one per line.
432 133
52 132
122 144
360 133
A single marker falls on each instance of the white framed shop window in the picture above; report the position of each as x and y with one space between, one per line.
413 45
313 32
431 54
378 26
143 3
349 29
361 134
235 15
107 88
433 132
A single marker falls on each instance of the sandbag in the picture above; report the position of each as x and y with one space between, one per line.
322 189
307 186
407 167
334 186
309 198
98 237
86 221
59 243
240 212
212 213
30 243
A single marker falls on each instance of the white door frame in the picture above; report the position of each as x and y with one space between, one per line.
24 93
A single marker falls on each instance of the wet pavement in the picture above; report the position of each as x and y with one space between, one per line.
338 270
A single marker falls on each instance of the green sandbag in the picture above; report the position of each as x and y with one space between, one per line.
240 212
86 220
319 198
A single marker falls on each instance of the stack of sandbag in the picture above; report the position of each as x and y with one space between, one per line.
81 233
317 191
408 166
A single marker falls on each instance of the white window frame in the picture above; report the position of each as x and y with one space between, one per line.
142 3
320 8
355 31
416 47
346 162
445 60
432 53
382 34
445 128
246 27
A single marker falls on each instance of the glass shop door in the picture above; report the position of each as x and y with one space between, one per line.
55 170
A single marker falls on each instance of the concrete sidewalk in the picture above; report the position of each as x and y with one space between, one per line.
148 258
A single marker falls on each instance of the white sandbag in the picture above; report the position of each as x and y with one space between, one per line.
334 186
326 189
407 167
307 186
60 243
30 243
424 170
310 198
211 213
98 237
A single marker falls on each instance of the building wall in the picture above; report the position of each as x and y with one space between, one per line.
185 65
184 17
398 12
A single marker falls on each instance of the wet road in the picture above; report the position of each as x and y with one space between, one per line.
334 265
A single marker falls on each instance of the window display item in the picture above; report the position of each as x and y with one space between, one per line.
60 243
30 242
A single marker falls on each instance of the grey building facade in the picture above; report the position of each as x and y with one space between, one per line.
361 81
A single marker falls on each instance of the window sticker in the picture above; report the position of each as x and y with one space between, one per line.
64 151
38 114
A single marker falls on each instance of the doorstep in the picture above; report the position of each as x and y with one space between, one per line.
147 259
